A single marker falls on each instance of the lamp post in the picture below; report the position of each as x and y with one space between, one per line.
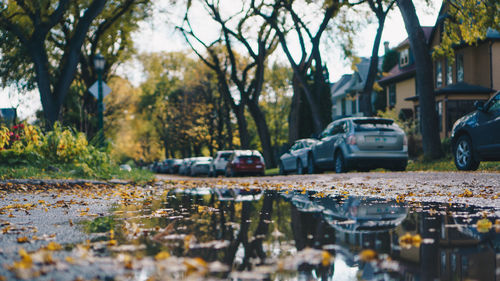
99 67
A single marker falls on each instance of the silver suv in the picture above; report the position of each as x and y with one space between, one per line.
361 143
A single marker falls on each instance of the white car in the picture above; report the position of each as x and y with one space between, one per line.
200 166
218 165
295 159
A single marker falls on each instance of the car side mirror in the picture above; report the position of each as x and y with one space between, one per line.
479 105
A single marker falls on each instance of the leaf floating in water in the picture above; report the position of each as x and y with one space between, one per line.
484 225
368 255
407 241
162 255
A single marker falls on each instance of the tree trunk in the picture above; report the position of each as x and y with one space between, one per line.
365 101
293 118
263 130
424 79
49 103
242 126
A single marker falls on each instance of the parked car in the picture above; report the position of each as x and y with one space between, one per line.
218 165
200 166
174 167
245 162
183 168
361 143
476 136
163 166
155 167
295 159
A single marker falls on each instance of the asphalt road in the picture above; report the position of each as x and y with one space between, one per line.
475 188
53 212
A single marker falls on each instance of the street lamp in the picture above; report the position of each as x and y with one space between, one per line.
99 67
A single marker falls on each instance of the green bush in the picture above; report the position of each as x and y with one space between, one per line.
25 144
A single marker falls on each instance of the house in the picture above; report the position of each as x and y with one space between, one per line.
345 92
399 82
474 75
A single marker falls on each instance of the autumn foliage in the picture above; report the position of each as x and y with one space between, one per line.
27 144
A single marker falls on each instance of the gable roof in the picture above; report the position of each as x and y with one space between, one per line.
427 33
341 87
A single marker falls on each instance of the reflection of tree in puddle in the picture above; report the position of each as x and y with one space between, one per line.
300 235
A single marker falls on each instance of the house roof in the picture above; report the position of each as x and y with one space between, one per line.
341 87
398 74
464 88
361 74
427 33
459 88
353 82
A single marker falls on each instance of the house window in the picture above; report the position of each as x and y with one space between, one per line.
404 57
449 73
460 68
392 95
439 75
439 109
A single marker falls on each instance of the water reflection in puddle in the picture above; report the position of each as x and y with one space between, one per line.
297 235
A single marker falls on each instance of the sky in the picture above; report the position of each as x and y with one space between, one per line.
158 35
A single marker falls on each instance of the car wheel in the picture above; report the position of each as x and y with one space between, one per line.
464 156
233 173
340 166
281 168
311 169
300 168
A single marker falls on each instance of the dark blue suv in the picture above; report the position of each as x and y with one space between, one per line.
476 136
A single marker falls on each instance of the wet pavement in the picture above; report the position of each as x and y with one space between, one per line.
246 233
252 229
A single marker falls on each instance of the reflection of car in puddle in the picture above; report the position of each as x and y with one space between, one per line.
358 214
237 195
223 194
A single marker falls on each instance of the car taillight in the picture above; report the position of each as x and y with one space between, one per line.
405 140
351 140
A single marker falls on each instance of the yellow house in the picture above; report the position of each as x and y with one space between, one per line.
474 75
399 82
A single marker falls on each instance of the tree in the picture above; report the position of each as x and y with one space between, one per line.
248 77
377 7
276 102
316 91
48 37
466 21
424 80
181 101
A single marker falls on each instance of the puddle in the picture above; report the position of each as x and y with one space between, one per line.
244 234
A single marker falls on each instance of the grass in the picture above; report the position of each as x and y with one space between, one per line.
69 172
447 164
444 164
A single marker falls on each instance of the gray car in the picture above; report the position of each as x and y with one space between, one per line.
295 159
200 166
361 143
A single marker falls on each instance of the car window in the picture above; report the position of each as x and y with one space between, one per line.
494 104
339 128
225 156
328 131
